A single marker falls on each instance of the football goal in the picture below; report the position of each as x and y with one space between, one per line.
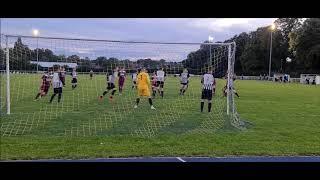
87 87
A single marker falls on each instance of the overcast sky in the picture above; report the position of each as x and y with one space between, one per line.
144 29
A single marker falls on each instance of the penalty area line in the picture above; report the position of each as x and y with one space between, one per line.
180 159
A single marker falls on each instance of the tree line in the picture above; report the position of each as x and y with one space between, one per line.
293 38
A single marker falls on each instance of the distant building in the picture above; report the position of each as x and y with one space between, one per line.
46 65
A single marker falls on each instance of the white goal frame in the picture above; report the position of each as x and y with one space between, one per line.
231 110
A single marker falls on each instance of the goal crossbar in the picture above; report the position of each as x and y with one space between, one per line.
118 41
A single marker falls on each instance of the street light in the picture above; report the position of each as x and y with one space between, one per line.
210 40
35 33
272 27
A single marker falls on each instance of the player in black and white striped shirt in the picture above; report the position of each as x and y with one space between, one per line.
208 88
184 81
160 80
110 79
74 78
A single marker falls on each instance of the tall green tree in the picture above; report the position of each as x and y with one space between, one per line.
306 43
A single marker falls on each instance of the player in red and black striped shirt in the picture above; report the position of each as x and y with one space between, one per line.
44 88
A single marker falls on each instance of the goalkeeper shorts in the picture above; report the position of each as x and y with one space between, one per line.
144 92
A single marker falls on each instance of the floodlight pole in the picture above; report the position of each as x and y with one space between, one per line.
210 57
8 76
270 54
37 55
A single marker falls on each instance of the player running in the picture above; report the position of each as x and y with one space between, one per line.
160 80
207 82
44 88
122 77
184 81
143 87
74 79
134 79
57 84
110 86
91 74
154 84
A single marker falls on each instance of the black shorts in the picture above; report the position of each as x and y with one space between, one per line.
206 94
91 75
184 84
134 82
160 83
74 80
57 90
111 86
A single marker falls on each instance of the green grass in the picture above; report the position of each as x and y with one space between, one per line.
285 117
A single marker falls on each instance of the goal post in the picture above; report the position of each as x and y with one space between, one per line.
28 58
8 77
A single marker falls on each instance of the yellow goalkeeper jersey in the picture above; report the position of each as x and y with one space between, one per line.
143 80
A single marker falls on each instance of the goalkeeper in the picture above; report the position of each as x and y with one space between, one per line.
143 82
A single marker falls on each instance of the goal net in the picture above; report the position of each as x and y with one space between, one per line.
81 112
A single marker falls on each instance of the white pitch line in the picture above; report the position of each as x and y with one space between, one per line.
180 159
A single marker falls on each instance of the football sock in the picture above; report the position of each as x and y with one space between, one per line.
209 107
202 104
37 95
150 101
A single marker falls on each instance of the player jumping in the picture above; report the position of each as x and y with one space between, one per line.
122 77
207 82
160 80
44 88
143 87
184 81
110 86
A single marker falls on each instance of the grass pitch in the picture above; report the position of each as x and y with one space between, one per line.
285 117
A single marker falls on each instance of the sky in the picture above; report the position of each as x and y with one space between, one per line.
192 30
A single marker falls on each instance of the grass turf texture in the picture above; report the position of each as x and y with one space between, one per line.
285 116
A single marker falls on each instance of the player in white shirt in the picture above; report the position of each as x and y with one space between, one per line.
110 79
207 82
56 84
91 74
134 79
160 80
74 79
184 81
